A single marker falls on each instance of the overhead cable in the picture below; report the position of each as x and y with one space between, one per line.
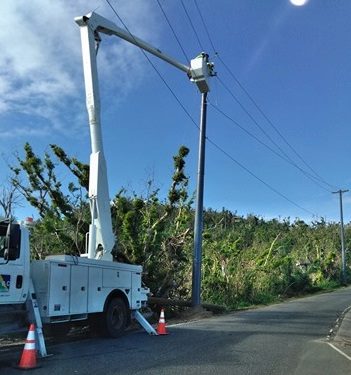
173 31
272 124
192 26
197 126
205 27
152 64
260 179
308 175
256 105
251 117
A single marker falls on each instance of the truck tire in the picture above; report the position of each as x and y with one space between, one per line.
115 317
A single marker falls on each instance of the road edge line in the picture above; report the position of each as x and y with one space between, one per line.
339 351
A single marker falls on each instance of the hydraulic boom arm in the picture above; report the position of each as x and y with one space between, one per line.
101 236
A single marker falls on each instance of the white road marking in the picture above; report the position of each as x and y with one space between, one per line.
181 324
339 351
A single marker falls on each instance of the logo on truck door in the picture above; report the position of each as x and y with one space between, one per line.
5 283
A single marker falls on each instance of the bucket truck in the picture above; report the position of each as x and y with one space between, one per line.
66 288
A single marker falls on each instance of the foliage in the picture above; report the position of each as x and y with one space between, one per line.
246 260
64 211
158 234
254 261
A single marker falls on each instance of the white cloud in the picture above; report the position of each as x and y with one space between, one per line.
41 67
28 132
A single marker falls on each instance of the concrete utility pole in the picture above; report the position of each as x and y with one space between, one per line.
198 226
342 235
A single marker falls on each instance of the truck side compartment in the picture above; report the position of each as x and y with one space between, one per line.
69 288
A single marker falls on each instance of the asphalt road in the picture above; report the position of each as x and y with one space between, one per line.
287 338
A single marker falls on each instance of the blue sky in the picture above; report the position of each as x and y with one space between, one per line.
295 62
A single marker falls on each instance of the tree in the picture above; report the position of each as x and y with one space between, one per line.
64 211
9 200
158 234
43 190
149 232
246 260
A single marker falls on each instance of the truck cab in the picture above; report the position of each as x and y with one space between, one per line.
14 276
14 263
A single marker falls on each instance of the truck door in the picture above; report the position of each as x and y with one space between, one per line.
13 283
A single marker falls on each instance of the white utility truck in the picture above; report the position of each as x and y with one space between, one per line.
66 288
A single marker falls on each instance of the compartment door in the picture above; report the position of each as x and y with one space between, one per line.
59 289
79 290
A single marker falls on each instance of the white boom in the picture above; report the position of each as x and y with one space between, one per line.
101 237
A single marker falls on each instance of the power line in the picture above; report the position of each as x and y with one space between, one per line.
245 130
173 31
205 27
256 105
251 117
283 157
259 179
272 124
192 26
194 122
153 65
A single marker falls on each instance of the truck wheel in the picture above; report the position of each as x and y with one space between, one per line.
116 317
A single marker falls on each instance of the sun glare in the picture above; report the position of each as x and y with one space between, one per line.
298 3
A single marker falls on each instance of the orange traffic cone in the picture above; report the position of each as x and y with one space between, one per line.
161 327
29 355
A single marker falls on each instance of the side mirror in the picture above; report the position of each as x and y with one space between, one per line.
13 242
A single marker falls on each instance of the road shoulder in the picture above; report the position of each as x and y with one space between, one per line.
341 337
